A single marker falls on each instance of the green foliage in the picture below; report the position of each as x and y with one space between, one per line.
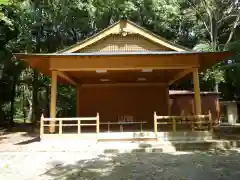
10 69
4 1
51 25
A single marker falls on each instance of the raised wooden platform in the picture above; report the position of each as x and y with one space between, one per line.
133 136
118 142
129 147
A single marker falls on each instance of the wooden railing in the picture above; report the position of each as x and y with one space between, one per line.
60 123
196 122
122 123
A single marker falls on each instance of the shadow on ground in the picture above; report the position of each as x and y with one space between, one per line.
2 138
26 129
29 141
20 134
143 166
227 132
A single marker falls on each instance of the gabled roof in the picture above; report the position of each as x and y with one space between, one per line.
123 27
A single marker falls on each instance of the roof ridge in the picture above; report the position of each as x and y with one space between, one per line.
86 39
133 24
158 36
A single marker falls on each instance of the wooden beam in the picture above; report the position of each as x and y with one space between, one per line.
124 84
126 68
114 29
87 63
180 75
170 103
167 99
197 96
53 101
154 38
210 121
65 76
128 27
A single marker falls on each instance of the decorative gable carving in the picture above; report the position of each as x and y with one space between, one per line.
123 31
124 42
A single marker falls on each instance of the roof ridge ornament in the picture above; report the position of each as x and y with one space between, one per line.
124 31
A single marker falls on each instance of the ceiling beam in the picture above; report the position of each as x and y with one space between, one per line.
180 75
65 76
79 63
123 68
124 84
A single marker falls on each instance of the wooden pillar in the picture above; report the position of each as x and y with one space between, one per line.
197 95
210 121
167 101
170 103
77 100
53 100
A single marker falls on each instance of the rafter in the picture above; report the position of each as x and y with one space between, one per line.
180 75
65 76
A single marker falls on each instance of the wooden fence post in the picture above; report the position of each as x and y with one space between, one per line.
60 126
192 123
174 124
42 126
210 121
199 122
155 124
97 128
79 126
108 126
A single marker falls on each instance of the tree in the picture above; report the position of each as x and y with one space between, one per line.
9 70
219 19
204 24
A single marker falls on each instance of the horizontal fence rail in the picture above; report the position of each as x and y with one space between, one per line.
195 121
122 123
51 123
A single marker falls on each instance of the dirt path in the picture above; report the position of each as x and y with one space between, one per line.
21 158
142 166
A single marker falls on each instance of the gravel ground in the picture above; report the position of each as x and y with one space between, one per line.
22 157
141 166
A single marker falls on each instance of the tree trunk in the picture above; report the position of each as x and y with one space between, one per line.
23 103
29 117
216 87
35 98
35 88
12 103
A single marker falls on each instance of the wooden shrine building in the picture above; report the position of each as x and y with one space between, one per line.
122 75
